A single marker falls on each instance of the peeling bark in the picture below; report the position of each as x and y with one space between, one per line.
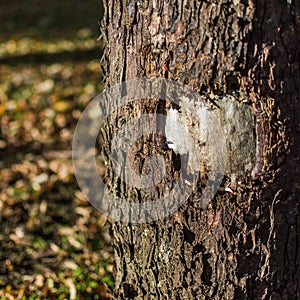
244 244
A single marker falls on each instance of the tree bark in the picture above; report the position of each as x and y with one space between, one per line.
245 243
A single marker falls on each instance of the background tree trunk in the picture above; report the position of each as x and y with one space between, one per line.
245 244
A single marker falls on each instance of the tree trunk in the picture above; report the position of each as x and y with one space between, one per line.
245 243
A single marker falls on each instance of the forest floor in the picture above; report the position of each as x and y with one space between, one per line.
54 244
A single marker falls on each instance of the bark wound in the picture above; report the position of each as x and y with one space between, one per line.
237 125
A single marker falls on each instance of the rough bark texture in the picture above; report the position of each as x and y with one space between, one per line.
245 244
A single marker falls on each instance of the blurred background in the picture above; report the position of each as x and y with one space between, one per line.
54 244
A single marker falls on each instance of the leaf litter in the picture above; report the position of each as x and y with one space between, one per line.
54 244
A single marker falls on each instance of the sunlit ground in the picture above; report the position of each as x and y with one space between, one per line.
54 244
